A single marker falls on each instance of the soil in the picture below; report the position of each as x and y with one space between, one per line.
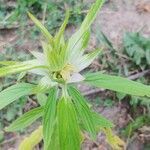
115 18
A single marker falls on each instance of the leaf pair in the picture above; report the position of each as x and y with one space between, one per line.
60 124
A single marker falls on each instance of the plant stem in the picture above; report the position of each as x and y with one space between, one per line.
64 91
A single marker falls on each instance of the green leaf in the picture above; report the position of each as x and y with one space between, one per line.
41 98
86 39
137 47
101 122
136 124
69 132
14 92
21 76
118 84
57 60
45 32
38 55
25 120
7 63
91 15
104 40
55 144
62 28
85 114
19 67
44 84
87 59
78 37
78 49
49 117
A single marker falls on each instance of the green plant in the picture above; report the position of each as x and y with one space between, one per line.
16 12
135 125
66 114
138 48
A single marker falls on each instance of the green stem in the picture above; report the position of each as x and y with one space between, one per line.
64 91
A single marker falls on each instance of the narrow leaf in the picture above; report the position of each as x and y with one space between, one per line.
87 59
63 26
44 84
79 35
91 15
19 67
41 98
49 117
39 56
101 122
113 140
25 120
69 132
45 32
54 143
86 115
7 63
118 84
30 142
14 92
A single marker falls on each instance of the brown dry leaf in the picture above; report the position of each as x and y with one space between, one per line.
113 140
30 142
143 7
145 133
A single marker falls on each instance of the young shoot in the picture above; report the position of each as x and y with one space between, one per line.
65 114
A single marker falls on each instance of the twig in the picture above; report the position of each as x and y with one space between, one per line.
92 91
138 75
9 140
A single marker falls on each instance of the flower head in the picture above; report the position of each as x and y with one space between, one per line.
64 59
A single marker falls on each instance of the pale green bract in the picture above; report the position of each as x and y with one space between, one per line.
64 111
